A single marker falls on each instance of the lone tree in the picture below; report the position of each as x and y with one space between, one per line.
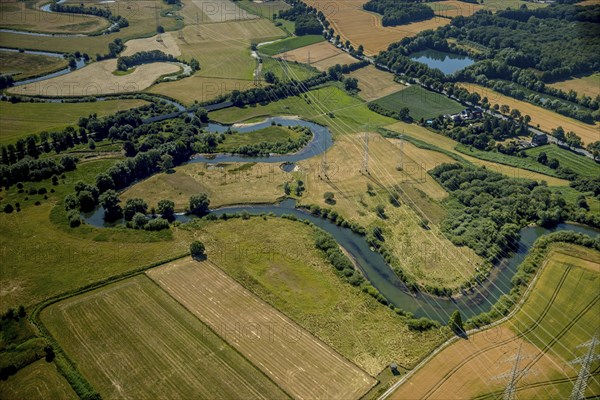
455 323
197 250
199 204
329 197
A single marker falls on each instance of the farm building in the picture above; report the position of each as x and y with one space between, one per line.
539 139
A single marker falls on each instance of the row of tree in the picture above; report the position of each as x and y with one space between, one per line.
32 170
399 12
143 57
117 20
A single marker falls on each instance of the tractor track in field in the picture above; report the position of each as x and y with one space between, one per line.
481 351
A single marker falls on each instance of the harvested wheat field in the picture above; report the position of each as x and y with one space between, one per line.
132 340
298 362
546 331
358 26
453 8
320 55
546 119
97 79
223 51
167 45
374 83
584 86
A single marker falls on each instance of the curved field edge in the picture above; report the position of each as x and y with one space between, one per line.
534 264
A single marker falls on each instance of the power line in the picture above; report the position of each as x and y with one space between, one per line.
514 375
586 361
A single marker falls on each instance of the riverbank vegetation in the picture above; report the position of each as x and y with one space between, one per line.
276 259
545 335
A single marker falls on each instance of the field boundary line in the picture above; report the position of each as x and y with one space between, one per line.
285 317
453 339
186 308
66 366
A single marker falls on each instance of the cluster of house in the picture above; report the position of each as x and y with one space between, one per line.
468 114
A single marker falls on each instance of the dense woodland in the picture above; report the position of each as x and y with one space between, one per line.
524 50
487 209
398 12
305 19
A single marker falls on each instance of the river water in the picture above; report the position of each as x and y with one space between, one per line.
381 276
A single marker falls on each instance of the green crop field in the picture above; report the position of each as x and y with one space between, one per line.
547 330
22 119
283 267
528 163
22 66
582 165
348 115
288 44
296 70
272 134
131 339
264 9
421 103
39 380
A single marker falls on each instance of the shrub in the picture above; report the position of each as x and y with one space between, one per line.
157 224
197 250
74 218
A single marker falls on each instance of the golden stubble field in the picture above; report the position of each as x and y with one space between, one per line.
292 357
546 119
223 50
546 329
584 86
132 340
352 23
320 55
97 79
374 83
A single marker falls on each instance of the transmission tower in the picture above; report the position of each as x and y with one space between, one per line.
198 25
365 165
401 159
514 375
309 58
586 361
156 17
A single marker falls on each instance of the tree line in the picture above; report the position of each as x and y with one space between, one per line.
487 209
117 20
305 19
398 12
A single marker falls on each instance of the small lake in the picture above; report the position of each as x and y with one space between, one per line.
448 63
384 279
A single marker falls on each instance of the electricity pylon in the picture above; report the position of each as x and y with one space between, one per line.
586 361
514 375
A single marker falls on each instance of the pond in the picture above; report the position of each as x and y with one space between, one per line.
381 276
448 63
